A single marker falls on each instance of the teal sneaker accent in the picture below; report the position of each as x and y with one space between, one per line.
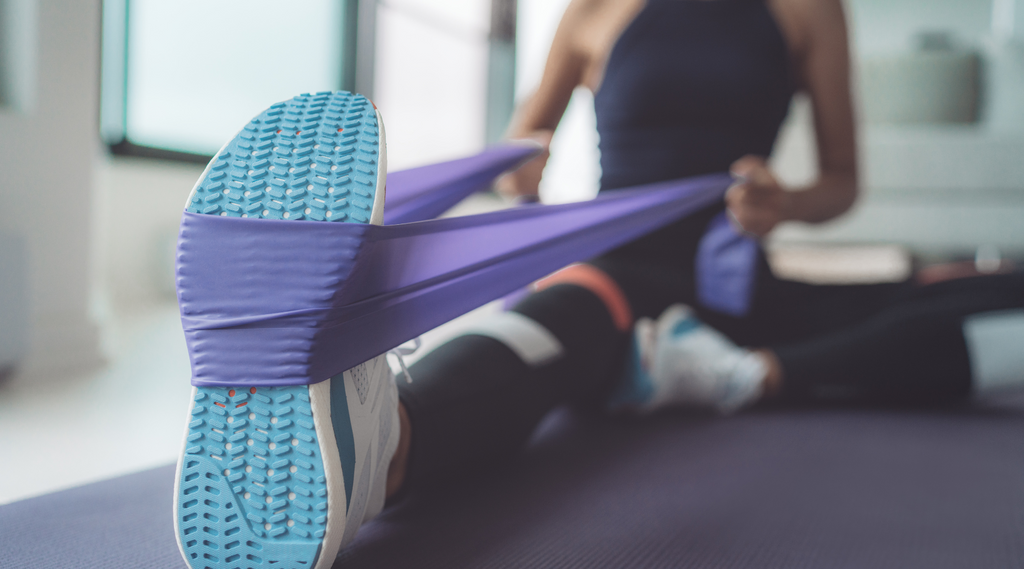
685 326
343 434
636 388
252 490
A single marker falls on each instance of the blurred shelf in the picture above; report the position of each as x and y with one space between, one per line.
962 158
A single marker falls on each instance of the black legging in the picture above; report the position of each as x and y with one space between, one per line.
473 402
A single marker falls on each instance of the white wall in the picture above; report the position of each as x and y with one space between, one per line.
431 78
48 152
573 172
138 210
891 25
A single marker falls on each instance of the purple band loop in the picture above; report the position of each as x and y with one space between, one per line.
726 268
268 302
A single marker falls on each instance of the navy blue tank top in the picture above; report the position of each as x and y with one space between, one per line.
690 87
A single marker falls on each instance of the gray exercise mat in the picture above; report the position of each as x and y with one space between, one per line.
766 489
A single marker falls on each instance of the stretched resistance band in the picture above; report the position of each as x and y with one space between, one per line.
726 260
267 302
428 191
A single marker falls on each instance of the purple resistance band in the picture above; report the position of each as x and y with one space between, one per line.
268 302
726 264
426 192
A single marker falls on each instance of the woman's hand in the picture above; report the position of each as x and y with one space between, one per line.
526 180
757 202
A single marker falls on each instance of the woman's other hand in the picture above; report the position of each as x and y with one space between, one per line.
757 202
525 181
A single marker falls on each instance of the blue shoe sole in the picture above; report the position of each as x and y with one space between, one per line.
252 488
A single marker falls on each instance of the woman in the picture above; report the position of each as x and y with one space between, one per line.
683 88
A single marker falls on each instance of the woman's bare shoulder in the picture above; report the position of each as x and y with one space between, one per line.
587 8
594 26
587 15
813 29
809 20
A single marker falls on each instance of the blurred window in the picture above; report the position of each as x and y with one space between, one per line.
431 77
180 78
186 75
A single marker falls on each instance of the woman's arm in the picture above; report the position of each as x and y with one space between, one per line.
540 114
760 203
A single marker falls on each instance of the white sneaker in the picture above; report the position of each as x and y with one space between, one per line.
679 361
284 476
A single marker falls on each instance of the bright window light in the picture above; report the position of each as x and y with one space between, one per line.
199 70
431 78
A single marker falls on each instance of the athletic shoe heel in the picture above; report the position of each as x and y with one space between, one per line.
252 489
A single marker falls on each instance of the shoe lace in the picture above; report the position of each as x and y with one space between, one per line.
405 350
